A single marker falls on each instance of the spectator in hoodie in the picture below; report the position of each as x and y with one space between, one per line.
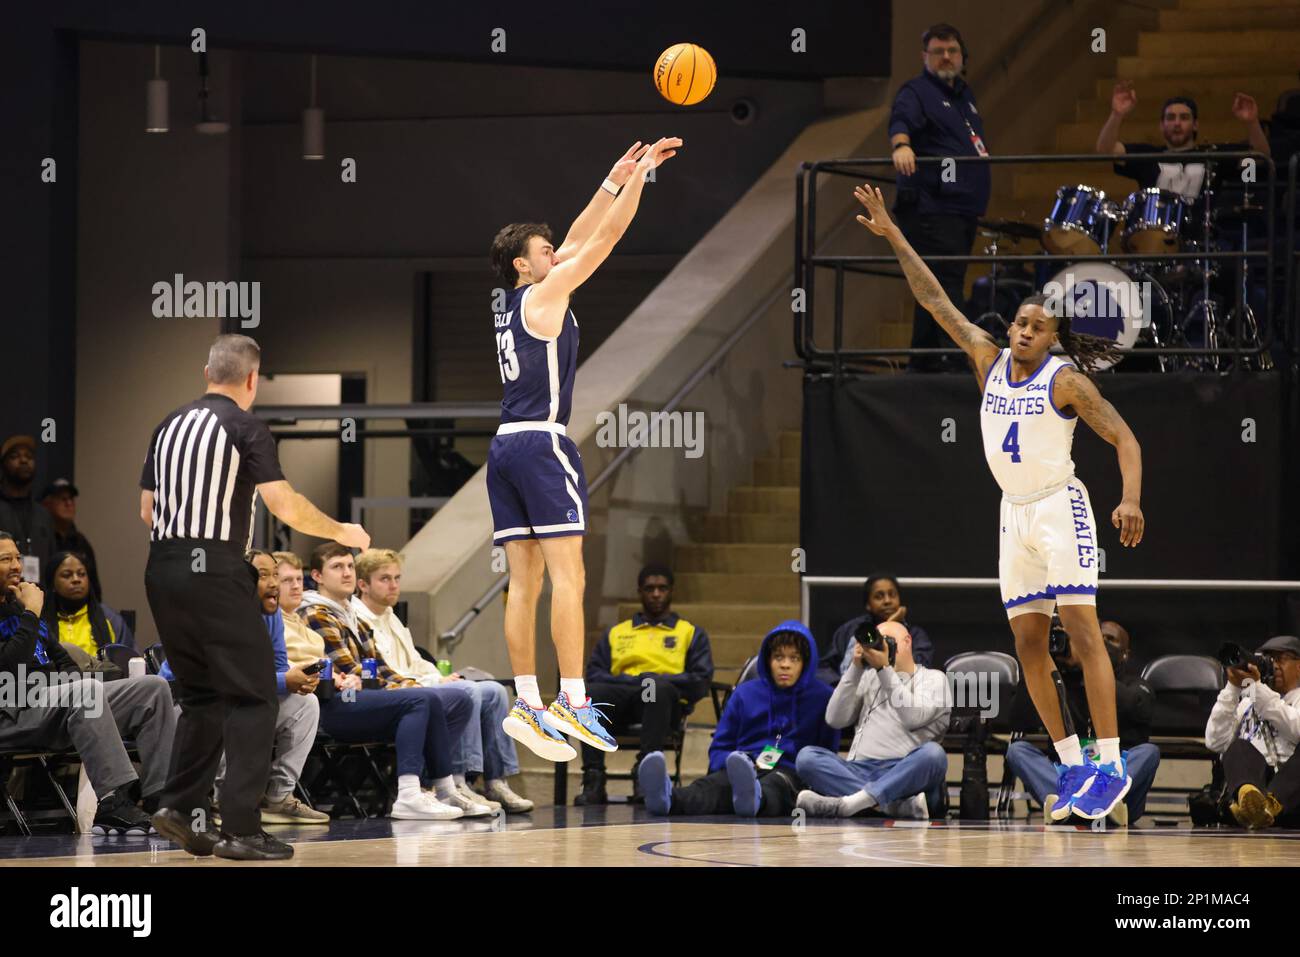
647 669
766 724
423 723
20 516
895 764
1254 725
89 715
74 613
60 500
484 749
884 602
296 719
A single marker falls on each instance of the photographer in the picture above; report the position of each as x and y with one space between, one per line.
1254 725
901 710
882 601
1134 701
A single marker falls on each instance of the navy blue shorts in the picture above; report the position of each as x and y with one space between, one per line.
536 486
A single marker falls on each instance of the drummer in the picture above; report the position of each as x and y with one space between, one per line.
1178 119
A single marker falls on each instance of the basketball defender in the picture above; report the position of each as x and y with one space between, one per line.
536 485
1047 549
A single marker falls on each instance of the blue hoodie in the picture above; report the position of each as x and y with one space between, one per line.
758 711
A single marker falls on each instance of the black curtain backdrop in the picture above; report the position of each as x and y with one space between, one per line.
882 490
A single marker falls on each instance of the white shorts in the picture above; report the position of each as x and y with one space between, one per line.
1047 552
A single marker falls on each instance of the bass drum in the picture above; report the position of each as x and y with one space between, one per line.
1103 300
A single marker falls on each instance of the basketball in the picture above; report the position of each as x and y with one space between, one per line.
684 74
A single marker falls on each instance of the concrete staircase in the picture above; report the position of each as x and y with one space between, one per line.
1206 49
734 580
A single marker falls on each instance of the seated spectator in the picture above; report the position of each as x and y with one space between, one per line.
29 524
422 723
1254 725
646 669
883 600
60 500
484 749
1134 703
296 719
895 763
89 715
766 724
74 613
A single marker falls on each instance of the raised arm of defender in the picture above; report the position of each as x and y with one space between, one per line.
974 341
547 303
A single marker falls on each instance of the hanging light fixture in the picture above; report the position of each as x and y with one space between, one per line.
207 122
156 97
313 124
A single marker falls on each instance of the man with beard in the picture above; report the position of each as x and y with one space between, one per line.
20 516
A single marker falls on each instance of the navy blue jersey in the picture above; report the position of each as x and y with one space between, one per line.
537 371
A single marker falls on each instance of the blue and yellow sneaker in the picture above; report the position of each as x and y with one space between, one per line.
582 722
528 726
1071 781
1107 789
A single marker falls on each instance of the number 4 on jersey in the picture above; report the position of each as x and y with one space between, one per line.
507 359
1012 442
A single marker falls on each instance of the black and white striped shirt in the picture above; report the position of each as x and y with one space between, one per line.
204 463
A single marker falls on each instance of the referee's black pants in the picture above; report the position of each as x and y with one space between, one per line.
211 627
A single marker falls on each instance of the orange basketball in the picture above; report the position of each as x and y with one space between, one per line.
684 74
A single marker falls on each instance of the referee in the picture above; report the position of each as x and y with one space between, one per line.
206 464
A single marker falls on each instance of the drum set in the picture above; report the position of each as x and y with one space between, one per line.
1155 301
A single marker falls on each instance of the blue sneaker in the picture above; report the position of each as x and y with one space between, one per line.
656 785
1107 789
527 726
746 795
582 722
1071 781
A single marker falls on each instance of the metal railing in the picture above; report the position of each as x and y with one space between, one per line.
808 259
450 638
808 582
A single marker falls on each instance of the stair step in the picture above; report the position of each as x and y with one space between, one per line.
1218 4
1212 103
1140 68
725 617
763 498
1035 191
1196 43
790 445
751 527
735 559
712 586
776 471
1265 87
732 649
1082 137
1224 17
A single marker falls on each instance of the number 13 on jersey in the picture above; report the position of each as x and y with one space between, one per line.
507 359
1012 442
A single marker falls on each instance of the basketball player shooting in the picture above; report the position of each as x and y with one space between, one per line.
1047 549
536 486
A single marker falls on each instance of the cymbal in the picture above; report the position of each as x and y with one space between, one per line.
1010 227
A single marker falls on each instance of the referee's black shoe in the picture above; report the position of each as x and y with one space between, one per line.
253 847
175 826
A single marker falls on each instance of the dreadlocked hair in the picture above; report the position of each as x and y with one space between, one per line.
1084 350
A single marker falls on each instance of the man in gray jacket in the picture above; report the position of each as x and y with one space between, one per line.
901 711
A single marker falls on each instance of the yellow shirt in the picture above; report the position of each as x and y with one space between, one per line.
74 629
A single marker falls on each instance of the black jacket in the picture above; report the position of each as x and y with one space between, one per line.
1134 702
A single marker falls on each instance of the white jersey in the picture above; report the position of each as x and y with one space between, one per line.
1027 439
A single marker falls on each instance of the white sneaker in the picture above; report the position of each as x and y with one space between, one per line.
467 807
469 794
420 806
500 791
914 808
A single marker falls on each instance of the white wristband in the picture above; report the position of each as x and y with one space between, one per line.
610 186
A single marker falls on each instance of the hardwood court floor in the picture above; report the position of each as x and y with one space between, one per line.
624 836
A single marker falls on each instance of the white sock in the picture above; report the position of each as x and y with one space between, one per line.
444 787
406 784
858 801
576 689
1068 750
1109 748
526 687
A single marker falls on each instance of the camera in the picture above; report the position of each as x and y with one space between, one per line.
1058 642
869 636
1232 655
